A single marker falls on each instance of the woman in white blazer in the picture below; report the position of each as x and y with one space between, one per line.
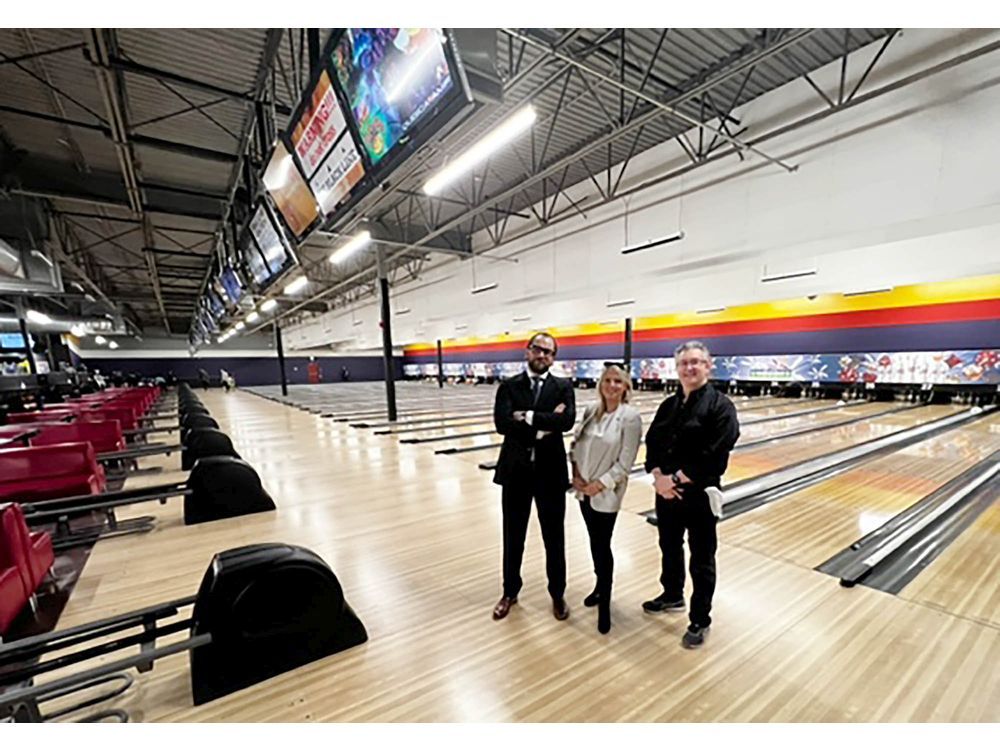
604 448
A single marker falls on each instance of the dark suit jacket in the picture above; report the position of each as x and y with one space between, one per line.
549 470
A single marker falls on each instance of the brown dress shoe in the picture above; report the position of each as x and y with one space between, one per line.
503 607
559 609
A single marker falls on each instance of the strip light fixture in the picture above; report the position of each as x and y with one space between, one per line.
268 305
484 288
621 303
493 141
297 286
787 276
868 291
648 244
352 246
253 317
38 317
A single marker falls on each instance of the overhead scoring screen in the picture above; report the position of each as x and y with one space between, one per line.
325 148
289 191
231 284
392 78
272 245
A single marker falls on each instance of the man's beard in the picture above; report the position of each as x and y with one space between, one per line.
538 367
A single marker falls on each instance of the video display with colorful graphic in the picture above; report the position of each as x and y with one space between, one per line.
392 78
289 191
325 148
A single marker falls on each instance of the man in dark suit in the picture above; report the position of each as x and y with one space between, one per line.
532 412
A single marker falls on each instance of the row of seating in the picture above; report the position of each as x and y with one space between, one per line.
59 458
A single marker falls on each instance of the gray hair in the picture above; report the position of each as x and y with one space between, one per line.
692 345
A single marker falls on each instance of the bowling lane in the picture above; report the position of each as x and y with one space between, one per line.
745 464
766 458
792 423
812 525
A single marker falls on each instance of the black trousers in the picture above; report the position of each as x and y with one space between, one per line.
516 505
600 526
692 514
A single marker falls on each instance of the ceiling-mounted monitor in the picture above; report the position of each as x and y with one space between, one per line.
232 285
289 192
324 146
267 252
396 82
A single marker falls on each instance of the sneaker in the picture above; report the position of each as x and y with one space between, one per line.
663 604
694 636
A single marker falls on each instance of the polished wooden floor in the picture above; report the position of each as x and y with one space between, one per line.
415 541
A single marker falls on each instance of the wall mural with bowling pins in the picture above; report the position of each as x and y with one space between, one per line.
942 333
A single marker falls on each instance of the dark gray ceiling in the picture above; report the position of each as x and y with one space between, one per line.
85 114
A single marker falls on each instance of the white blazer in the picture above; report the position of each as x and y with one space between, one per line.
607 457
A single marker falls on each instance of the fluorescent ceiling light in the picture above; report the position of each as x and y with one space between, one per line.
461 326
403 311
113 345
621 303
652 243
357 322
521 318
787 276
484 288
239 326
100 340
493 141
709 310
354 244
77 330
253 317
38 317
297 286
268 305
868 291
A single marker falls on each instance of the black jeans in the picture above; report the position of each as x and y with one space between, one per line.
692 514
600 526
516 505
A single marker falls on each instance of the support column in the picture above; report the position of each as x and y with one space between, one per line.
440 366
281 359
390 375
627 356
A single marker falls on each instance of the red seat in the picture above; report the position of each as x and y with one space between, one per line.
25 558
49 415
37 547
105 436
49 472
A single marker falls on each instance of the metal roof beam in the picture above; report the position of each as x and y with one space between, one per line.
147 71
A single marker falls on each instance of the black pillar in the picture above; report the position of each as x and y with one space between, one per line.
281 359
627 358
440 366
27 345
390 375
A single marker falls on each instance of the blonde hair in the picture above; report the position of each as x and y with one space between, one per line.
602 407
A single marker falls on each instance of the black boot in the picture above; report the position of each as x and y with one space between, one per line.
603 617
592 599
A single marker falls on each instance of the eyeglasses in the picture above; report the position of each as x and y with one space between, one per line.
542 350
691 362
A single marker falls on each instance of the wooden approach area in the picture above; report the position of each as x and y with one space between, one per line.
415 540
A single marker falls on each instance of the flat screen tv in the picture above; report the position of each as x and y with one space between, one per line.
254 261
11 341
231 284
270 241
395 81
289 192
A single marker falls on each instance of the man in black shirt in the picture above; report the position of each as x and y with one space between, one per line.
687 451
532 411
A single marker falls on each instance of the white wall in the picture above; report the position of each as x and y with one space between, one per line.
902 189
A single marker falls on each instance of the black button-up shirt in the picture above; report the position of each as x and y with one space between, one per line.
693 436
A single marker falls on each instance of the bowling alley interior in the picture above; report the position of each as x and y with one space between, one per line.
507 375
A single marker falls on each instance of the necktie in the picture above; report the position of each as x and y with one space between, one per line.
536 388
